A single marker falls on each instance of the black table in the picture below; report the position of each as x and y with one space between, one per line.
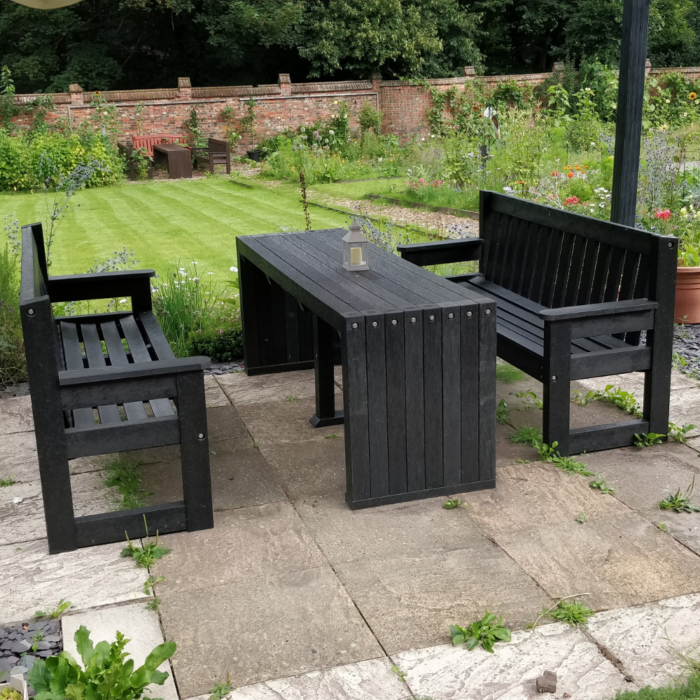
418 357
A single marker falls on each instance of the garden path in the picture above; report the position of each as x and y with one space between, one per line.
298 597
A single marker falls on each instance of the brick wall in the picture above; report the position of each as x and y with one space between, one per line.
278 106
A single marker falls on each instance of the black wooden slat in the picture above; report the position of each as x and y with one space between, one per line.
377 404
601 273
590 258
641 291
154 334
291 324
451 393
563 272
519 244
279 325
432 390
140 353
396 402
545 240
249 317
489 226
415 406
96 358
575 272
612 286
606 437
607 362
117 357
487 392
82 417
505 261
469 388
551 269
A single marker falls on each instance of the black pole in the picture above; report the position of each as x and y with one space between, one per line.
630 105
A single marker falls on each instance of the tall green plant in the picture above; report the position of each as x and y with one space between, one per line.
12 361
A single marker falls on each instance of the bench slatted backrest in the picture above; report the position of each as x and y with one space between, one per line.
151 140
558 258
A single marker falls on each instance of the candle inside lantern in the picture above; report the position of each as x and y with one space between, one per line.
356 255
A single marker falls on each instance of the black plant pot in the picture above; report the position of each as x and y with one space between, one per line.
254 155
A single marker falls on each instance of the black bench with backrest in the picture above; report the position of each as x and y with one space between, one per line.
573 294
216 152
105 383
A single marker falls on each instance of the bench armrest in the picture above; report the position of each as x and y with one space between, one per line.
442 252
608 308
137 370
608 318
104 285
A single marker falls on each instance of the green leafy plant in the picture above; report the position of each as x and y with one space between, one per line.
679 432
125 477
452 503
530 398
485 632
148 553
221 689
582 518
36 638
601 486
154 604
7 482
583 399
662 526
680 502
401 674
570 465
508 374
647 439
624 400
54 613
332 436
527 435
107 673
573 612
8 693
150 582
546 452
502 412
369 118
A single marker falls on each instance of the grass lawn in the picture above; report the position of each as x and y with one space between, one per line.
166 222
688 690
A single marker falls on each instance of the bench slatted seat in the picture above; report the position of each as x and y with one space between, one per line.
216 152
573 295
104 383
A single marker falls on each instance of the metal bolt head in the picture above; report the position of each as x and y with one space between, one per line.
469 314
354 325
394 322
413 319
670 244
450 315
30 312
374 324
201 436
488 312
432 317
554 377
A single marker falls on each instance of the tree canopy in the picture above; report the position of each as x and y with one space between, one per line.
112 44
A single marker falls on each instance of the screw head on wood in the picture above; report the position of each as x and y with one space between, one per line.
432 318
201 436
469 314
394 322
374 324
354 325
488 312
670 244
413 319
450 315
554 377
30 312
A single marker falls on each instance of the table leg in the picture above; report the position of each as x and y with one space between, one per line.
325 379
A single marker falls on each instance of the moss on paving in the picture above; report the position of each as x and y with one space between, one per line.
166 222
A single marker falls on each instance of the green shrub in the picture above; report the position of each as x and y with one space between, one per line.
220 344
12 361
29 161
369 118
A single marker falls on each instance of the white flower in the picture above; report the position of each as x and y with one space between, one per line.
195 279
122 301
593 144
331 132
601 205
184 274
210 273
233 269
432 136
422 139
380 159
507 189
194 262
182 269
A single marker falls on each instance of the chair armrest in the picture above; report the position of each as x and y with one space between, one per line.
608 308
104 285
137 370
442 252
608 318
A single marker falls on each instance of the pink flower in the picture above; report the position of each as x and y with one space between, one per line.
422 181
571 200
665 214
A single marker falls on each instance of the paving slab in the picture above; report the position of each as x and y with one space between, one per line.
93 463
16 415
267 628
411 601
285 421
24 521
366 680
138 624
453 673
311 468
246 543
33 579
242 389
18 457
240 477
214 394
646 638
643 477
618 558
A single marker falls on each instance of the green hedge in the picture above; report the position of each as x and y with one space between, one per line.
30 160
221 345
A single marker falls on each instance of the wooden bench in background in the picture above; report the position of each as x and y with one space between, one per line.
107 383
573 294
216 152
151 140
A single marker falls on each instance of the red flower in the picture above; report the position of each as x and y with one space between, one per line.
555 173
570 174
571 200
665 214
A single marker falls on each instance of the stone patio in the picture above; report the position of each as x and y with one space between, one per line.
295 596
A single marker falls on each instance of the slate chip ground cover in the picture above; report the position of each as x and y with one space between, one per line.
17 643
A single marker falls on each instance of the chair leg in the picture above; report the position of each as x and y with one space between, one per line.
325 379
194 451
58 501
657 386
557 386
